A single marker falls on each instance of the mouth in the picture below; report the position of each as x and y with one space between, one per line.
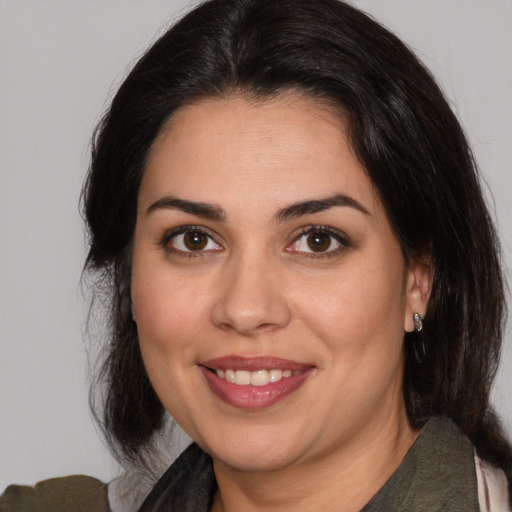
254 383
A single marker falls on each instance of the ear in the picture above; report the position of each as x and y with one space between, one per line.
418 285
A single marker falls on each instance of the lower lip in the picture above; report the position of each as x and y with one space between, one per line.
254 397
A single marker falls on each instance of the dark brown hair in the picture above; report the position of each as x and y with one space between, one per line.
404 133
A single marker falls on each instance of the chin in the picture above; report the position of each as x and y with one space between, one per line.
257 452
254 461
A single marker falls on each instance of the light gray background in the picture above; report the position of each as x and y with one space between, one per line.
59 62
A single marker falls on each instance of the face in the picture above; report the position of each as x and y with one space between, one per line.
270 292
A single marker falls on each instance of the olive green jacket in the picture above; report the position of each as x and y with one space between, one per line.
69 494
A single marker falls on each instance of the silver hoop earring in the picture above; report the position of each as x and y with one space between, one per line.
418 346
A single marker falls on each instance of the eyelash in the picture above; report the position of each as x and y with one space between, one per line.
338 236
169 235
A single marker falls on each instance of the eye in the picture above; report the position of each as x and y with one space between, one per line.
318 240
189 240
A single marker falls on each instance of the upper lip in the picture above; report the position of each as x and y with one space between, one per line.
254 363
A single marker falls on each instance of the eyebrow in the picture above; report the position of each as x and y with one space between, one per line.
215 212
318 205
200 209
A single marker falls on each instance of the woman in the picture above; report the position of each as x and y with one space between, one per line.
301 267
278 192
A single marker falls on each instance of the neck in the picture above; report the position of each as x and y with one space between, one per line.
349 475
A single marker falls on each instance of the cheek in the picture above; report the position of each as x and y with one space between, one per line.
358 307
170 325
170 309
170 314
358 315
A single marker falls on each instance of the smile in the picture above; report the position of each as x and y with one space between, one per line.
257 378
254 383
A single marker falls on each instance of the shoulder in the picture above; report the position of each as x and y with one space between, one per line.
492 487
76 493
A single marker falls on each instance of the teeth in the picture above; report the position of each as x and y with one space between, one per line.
242 378
275 375
257 378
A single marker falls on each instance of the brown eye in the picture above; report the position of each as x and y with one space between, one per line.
192 241
319 242
195 240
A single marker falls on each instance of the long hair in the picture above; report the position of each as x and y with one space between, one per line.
403 132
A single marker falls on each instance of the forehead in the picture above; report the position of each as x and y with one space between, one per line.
275 150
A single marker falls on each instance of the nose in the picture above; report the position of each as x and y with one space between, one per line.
251 298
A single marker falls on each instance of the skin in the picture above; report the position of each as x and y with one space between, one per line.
258 289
